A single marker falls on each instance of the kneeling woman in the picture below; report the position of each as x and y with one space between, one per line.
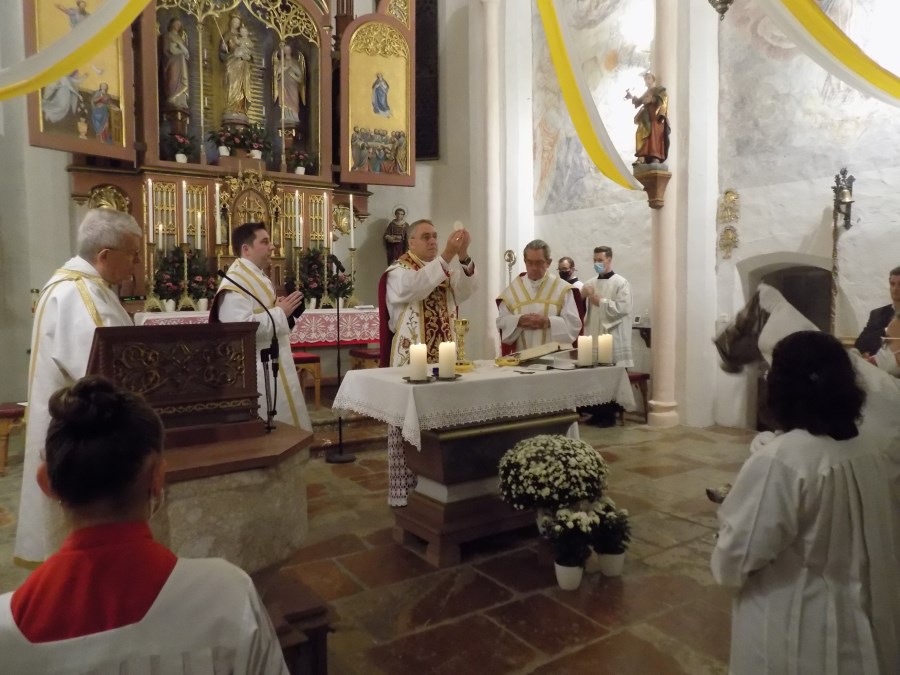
112 599
807 532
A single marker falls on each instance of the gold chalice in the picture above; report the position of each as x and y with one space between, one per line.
463 365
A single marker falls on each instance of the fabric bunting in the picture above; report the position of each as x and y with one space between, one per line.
580 104
804 22
71 51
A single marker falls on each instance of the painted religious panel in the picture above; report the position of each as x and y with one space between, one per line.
89 110
378 116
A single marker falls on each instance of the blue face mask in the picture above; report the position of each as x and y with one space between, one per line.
599 268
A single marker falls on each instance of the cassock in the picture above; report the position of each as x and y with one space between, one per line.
613 315
233 304
114 601
72 304
551 297
422 300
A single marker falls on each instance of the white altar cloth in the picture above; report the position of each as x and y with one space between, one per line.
485 394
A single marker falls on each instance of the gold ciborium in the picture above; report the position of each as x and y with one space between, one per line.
463 365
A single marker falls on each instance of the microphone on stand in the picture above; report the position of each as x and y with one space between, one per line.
266 355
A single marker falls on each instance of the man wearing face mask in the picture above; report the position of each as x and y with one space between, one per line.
609 306
567 272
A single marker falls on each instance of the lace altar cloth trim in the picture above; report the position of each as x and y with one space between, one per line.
485 394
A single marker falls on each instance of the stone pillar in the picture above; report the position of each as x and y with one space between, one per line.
663 406
493 41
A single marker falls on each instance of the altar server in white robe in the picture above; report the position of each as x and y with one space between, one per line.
807 532
78 298
608 300
112 599
422 293
539 307
234 303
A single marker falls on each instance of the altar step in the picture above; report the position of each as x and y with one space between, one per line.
361 433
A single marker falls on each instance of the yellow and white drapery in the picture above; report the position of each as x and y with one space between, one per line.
580 104
820 39
73 50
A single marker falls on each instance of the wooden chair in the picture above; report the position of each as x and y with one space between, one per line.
10 416
641 381
309 365
364 357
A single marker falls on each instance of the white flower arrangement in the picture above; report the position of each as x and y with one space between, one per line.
551 471
571 532
612 533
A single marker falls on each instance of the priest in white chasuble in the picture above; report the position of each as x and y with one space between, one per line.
538 307
609 306
235 302
422 292
78 298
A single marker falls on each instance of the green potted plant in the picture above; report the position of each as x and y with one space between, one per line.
312 265
182 146
610 537
202 288
340 286
300 161
569 532
227 139
256 141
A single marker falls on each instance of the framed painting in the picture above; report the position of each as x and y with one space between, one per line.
89 111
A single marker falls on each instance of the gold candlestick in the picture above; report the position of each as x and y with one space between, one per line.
152 302
463 365
185 300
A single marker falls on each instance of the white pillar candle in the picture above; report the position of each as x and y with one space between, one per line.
150 209
184 217
352 221
418 362
447 360
218 216
585 350
605 348
326 218
199 231
298 223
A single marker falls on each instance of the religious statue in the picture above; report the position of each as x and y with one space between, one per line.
289 83
175 66
101 106
76 14
380 96
395 236
652 135
238 51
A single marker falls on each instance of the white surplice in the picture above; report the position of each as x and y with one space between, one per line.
806 534
207 620
551 297
236 306
72 304
612 316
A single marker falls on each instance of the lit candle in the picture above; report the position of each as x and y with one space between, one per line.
447 360
352 222
418 362
199 232
326 218
184 211
605 348
218 217
298 222
150 209
585 350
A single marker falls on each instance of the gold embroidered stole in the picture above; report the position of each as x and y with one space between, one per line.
550 296
249 278
434 310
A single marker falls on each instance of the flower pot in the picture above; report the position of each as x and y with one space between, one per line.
169 305
592 564
300 170
568 578
181 158
203 304
224 151
256 154
310 303
611 564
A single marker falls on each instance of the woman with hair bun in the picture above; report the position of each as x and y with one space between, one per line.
112 599
808 531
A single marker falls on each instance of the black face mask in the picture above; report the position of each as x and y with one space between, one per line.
565 276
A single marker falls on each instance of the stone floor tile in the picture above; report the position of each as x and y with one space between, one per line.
703 626
374 482
385 565
546 624
519 570
373 464
325 577
380 537
664 530
452 648
327 548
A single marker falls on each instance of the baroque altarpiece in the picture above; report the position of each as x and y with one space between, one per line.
162 122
